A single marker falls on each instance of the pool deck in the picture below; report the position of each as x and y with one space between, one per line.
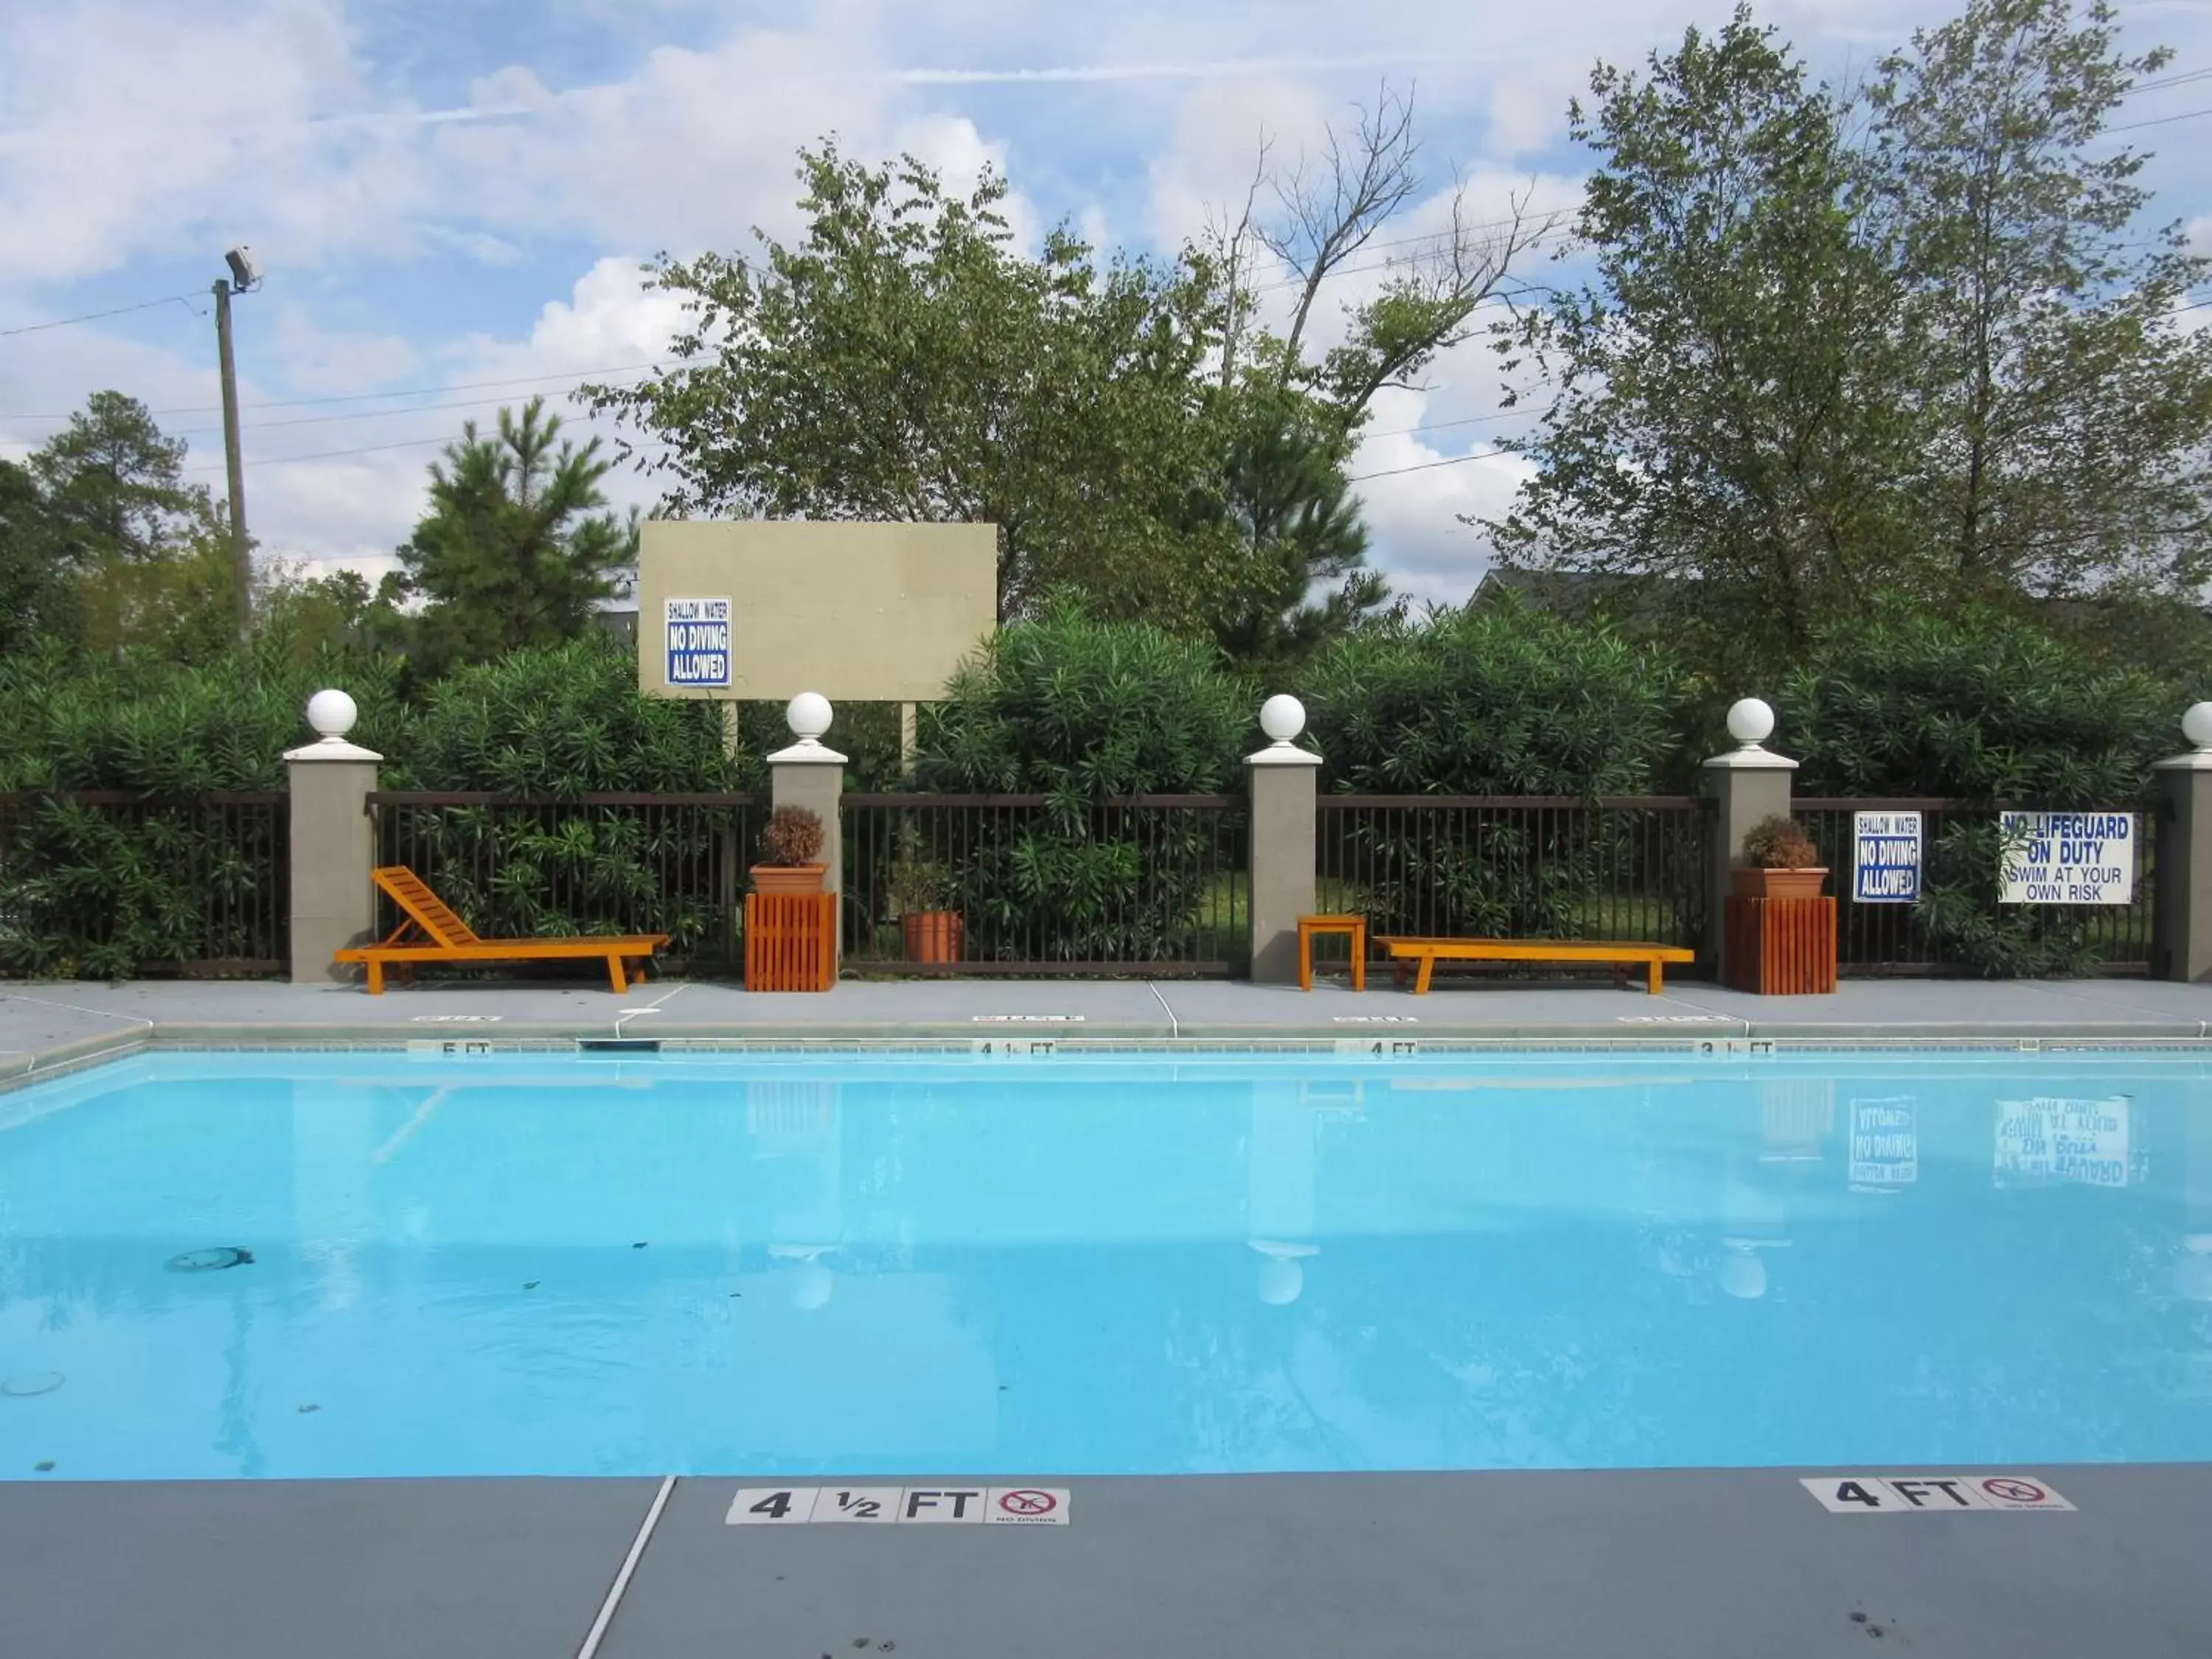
1662 1564
42 1025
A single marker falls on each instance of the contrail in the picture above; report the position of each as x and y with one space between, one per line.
1215 69
1221 69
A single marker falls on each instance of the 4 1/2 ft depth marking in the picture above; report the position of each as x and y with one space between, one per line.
1005 1506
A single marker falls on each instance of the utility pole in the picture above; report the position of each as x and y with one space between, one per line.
241 548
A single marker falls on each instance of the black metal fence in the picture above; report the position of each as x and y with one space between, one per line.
1152 885
1961 844
108 883
671 864
1619 868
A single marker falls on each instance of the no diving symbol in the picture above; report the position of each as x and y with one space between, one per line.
2014 1491
1028 1503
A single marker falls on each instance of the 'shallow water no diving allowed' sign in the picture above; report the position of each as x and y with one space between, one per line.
1885 858
697 637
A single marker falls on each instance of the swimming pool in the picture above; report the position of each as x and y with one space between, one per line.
551 1264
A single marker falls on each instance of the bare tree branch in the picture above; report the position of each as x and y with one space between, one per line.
1329 212
1236 244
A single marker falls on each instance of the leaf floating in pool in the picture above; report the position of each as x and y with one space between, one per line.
31 1384
641 1244
304 1410
46 1467
207 1261
531 1284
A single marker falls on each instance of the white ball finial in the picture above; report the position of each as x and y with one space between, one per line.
808 714
331 713
1282 717
2196 725
1750 722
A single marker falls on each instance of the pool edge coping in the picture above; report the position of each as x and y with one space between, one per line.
45 1064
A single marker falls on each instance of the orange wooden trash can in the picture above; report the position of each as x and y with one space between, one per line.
791 941
1782 947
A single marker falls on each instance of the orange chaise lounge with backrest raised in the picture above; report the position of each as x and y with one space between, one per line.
429 932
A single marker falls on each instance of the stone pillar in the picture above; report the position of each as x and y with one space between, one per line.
811 775
1282 784
2181 906
333 844
1747 784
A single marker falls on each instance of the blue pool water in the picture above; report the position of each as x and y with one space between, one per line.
565 1264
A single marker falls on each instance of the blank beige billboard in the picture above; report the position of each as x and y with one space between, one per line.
763 609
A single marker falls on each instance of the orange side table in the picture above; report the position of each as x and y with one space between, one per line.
1352 927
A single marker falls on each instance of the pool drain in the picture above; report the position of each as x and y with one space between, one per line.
30 1384
208 1261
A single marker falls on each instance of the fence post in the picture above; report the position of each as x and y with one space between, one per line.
808 775
1749 783
2181 902
333 844
1282 782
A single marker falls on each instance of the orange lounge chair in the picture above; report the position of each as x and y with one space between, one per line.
441 936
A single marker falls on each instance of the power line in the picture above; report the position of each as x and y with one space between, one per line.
355 415
1439 426
1540 238
95 316
2169 80
2163 120
1429 466
331 455
373 449
370 397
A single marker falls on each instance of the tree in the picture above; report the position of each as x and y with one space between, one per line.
1836 349
108 546
1299 527
1725 409
340 611
902 361
2067 413
40 602
514 551
1291 421
115 487
1330 207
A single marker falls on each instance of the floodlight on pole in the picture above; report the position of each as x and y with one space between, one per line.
245 277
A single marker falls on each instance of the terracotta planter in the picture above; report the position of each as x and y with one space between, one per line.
788 878
1777 883
932 935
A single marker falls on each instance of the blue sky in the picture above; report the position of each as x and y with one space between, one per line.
451 200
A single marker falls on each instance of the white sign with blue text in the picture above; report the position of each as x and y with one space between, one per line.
1886 859
2067 858
698 636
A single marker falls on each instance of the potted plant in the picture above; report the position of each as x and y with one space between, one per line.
922 893
790 846
1780 861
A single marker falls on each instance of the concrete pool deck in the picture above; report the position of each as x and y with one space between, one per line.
1661 1564
42 1025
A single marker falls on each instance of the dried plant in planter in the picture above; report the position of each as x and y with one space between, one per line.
1780 861
791 848
794 836
1779 843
